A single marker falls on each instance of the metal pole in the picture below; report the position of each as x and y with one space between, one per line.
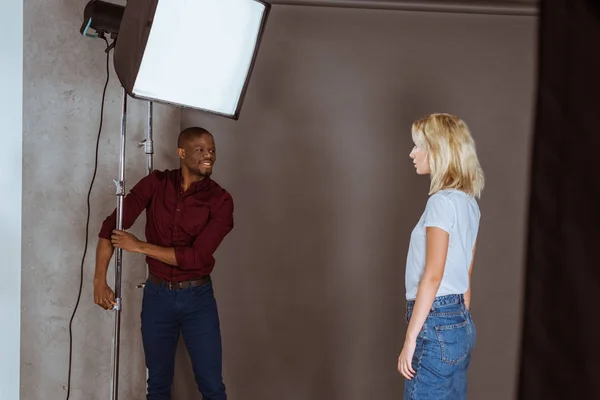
461 7
149 150
120 183
148 145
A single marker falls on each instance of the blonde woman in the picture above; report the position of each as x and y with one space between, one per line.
441 334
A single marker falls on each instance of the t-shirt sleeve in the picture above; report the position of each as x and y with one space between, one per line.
439 213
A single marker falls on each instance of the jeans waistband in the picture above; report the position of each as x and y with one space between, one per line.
442 301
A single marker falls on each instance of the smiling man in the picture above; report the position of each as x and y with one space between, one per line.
187 216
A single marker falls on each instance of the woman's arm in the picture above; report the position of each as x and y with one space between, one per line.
435 262
468 292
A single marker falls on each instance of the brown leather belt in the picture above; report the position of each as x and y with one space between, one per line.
178 285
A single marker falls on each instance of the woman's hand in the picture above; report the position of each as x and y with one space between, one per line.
405 359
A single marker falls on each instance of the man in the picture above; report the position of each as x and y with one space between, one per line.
187 217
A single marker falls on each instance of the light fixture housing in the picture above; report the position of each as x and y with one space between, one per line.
101 18
191 53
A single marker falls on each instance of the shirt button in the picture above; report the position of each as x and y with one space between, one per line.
178 209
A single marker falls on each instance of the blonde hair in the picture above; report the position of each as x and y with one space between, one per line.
451 154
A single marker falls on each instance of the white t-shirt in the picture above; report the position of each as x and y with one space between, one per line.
458 214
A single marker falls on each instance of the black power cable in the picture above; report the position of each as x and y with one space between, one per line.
87 224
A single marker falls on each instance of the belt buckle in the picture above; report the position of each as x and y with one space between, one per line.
170 285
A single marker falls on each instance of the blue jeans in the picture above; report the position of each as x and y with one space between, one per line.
193 312
443 351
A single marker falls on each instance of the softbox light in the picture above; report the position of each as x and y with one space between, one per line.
190 53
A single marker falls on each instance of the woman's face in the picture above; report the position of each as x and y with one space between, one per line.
419 157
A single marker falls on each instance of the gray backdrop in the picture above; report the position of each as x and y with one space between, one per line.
310 283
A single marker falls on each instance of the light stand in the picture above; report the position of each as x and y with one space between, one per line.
149 150
100 19
148 145
120 183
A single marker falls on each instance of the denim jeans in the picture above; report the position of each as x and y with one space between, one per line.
443 351
193 312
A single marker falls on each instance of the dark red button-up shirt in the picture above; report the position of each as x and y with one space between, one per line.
194 222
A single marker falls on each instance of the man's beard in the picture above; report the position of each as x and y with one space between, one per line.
202 173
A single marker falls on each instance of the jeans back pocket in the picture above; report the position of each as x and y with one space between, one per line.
454 341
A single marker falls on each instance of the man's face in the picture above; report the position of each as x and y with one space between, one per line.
199 155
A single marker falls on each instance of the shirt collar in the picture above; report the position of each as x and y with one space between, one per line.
194 187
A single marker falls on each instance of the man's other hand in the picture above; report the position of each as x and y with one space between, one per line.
104 296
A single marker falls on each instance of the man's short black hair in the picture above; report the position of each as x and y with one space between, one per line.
190 133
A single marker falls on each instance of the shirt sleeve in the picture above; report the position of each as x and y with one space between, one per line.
133 204
200 254
439 213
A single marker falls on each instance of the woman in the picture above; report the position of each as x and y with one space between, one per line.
441 334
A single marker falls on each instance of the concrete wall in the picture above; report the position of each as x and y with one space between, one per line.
11 140
311 281
64 76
